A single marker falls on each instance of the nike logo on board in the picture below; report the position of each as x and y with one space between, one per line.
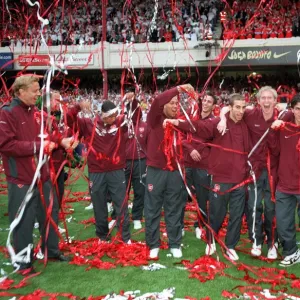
280 55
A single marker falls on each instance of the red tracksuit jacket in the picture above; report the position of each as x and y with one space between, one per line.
105 143
19 142
155 155
140 128
285 144
198 144
225 166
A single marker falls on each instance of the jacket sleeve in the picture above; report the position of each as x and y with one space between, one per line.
206 129
72 115
187 146
155 114
9 145
273 142
74 122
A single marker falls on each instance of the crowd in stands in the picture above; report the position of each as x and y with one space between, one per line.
80 22
248 19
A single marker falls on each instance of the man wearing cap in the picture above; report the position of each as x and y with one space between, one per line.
105 139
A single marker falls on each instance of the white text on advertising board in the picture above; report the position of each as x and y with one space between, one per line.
255 54
79 59
6 57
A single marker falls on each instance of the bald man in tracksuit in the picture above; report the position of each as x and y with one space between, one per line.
164 184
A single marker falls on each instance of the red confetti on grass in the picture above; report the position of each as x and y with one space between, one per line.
204 268
91 253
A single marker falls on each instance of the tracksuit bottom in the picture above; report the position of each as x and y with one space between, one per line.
264 206
163 190
37 207
200 179
135 169
234 202
101 184
285 215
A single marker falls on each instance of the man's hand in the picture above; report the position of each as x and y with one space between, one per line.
68 143
280 106
185 88
172 121
195 155
276 124
222 126
49 146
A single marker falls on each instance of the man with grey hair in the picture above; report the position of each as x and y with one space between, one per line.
258 120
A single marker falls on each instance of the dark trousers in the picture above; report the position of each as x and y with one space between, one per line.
35 208
135 169
263 199
163 189
285 216
60 187
200 179
112 182
234 201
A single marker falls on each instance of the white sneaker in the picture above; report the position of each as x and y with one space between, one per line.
129 242
154 253
36 225
272 252
40 254
137 224
232 254
198 232
111 224
291 259
89 207
176 252
210 249
61 230
256 250
182 232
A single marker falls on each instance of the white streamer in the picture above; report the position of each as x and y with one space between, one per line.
187 117
252 173
166 73
153 21
221 83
